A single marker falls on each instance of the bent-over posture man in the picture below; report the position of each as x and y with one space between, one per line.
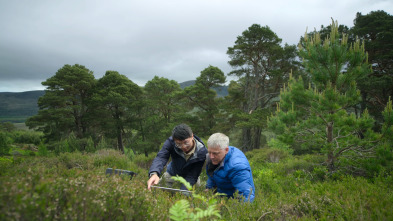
188 154
228 169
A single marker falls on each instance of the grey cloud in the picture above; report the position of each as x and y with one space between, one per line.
175 39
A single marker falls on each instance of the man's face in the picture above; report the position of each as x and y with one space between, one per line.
216 154
185 145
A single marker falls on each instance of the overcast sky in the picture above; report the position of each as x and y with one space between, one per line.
175 39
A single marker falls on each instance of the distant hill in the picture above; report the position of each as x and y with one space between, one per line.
16 107
222 91
186 84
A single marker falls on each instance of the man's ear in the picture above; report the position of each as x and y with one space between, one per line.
226 150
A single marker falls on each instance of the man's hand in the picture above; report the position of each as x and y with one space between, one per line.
154 179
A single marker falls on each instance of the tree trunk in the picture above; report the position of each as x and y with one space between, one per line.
120 140
363 103
246 139
331 159
257 138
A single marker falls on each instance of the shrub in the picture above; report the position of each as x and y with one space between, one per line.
61 147
86 196
73 143
266 155
102 144
129 153
4 144
305 163
89 145
27 137
5 163
110 158
42 150
75 160
277 144
144 161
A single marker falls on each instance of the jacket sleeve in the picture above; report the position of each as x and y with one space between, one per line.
210 183
241 178
161 159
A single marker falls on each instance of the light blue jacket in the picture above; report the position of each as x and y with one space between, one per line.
233 174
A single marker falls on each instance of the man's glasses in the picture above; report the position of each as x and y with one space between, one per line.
185 143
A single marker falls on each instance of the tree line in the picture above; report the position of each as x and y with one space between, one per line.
330 94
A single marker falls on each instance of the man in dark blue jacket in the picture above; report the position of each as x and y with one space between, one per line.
188 154
228 169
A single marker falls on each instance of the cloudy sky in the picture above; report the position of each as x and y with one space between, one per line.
175 39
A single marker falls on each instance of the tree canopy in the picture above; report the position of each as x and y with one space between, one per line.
262 65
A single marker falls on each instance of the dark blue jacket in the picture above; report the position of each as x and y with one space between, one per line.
234 173
189 170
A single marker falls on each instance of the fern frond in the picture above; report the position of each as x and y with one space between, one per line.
209 212
179 211
183 181
199 197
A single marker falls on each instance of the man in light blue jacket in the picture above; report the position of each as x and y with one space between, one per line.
228 169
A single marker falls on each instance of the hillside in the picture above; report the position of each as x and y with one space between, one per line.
18 106
222 91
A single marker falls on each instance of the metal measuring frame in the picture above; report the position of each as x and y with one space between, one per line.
172 190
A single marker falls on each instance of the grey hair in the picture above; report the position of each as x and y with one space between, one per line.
218 140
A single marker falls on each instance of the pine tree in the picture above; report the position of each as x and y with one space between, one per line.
262 65
320 117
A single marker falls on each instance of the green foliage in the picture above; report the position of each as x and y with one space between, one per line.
181 209
27 137
383 160
74 160
115 101
102 144
7 126
320 118
375 29
61 147
72 144
183 181
277 144
5 163
5 142
89 145
163 108
387 128
42 150
271 155
110 158
144 161
63 107
204 99
261 63
129 153
74 186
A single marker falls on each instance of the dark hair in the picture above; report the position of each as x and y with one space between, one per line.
181 132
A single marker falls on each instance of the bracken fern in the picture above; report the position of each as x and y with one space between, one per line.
182 210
